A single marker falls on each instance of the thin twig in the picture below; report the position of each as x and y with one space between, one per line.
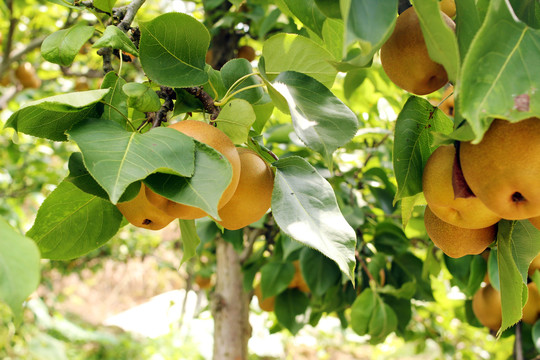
206 100
252 236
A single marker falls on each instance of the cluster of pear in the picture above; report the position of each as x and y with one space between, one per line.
487 308
405 58
245 200
297 282
494 179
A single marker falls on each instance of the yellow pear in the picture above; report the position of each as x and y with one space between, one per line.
141 213
448 7
298 281
531 309
405 58
504 168
456 241
534 265
266 304
253 194
217 139
468 212
487 307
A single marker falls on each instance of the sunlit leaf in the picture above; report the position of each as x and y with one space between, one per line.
115 38
62 46
305 208
70 223
116 157
505 86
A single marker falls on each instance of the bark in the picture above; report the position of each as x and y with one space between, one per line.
230 306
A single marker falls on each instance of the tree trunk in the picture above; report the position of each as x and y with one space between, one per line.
230 306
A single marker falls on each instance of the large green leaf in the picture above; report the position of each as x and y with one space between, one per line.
19 267
275 277
210 178
51 117
70 223
115 108
62 46
172 50
116 157
370 22
305 208
235 120
467 24
414 130
320 119
308 13
319 271
115 38
234 73
518 242
362 311
506 85
289 307
440 39
285 52
382 322
333 37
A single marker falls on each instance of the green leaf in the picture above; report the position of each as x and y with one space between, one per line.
190 239
19 268
235 120
141 97
517 244
505 86
413 143
62 46
320 119
382 322
263 113
370 22
353 80
105 5
406 291
275 277
115 108
319 271
308 13
210 178
390 239
333 36
536 335
407 207
233 71
468 23
329 8
305 208
115 38
81 178
290 52
116 157
172 50
278 100
440 39
288 307
362 311
70 223
51 117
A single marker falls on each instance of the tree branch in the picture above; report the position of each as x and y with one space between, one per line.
207 101
131 11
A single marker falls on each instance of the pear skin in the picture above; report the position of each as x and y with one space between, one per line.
438 189
142 213
504 168
455 241
405 58
532 306
487 307
253 195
